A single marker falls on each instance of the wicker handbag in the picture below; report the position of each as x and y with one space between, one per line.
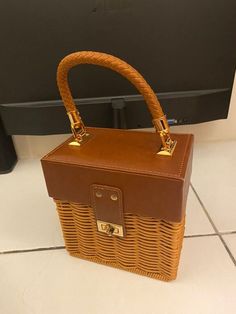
120 194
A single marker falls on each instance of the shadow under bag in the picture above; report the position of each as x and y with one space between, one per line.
120 195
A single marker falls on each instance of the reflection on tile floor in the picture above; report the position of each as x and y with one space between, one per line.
50 281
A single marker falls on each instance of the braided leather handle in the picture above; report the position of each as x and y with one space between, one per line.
119 66
107 61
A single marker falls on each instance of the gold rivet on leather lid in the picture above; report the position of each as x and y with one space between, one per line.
98 194
114 197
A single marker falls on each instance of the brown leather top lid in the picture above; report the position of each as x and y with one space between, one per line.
152 185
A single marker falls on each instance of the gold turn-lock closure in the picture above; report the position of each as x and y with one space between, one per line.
110 228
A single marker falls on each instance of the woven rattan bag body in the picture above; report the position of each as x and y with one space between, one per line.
120 194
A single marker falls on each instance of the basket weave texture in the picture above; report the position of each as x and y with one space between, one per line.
151 246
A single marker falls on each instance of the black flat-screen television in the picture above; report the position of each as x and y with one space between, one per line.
185 49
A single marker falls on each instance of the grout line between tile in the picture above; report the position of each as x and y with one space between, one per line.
50 248
53 248
201 235
228 232
214 226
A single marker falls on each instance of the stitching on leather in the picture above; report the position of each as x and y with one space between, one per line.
128 169
133 170
124 170
182 161
171 177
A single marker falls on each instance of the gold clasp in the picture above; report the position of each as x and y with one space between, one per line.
77 127
168 145
110 228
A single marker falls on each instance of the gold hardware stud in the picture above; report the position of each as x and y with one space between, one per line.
98 194
114 197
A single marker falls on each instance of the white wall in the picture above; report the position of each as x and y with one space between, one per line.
220 130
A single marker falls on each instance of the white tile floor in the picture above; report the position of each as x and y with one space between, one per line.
50 281
214 180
